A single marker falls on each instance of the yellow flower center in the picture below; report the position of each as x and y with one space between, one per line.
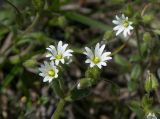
126 24
96 60
51 73
59 56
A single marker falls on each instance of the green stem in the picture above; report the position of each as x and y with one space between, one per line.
140 53
59 109
30 28
138 41
16 9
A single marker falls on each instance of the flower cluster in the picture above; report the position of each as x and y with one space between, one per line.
58 54
61 54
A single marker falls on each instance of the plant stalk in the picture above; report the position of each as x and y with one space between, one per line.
59 109
138 41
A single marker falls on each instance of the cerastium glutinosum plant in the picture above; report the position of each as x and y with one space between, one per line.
59 55
96 59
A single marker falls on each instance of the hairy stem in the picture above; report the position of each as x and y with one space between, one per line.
59 109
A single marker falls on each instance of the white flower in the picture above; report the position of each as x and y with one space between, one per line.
151 116
122 25
48 71
60 53
98 57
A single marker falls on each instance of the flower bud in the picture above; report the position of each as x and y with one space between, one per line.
14 59
85 83
146 37
62 21
30 63
147 18
151 82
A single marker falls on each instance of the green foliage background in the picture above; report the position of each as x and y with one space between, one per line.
123 92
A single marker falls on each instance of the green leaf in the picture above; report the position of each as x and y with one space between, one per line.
135 58
136 71
77 94
135 106
87 21
7 17
43 100
132 85
146 103
144 48
55 4
3 31
120 60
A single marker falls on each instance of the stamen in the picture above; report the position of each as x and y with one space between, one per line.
59 56
51 73
126 24
96 60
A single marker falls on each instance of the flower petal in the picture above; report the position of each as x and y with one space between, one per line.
115 21
59 47
88 52
102 49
